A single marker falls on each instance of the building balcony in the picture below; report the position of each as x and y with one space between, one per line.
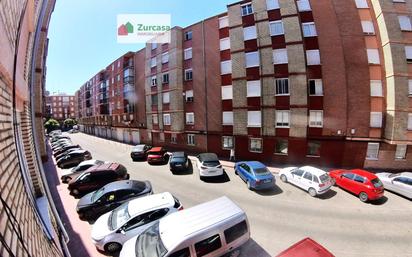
128 80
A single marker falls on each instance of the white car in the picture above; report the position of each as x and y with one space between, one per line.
313 180
400 183
112 229
209 165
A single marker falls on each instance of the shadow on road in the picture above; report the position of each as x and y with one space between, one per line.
219 179
328 195
270 192
253 249
380 201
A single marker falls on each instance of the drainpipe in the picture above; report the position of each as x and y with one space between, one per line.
205 84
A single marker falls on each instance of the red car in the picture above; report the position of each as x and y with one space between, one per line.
306 248
362 183
156 155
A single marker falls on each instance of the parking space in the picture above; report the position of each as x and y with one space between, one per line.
278 218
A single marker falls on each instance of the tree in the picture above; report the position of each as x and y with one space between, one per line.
51 125
69 122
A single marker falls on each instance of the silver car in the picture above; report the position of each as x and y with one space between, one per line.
400 183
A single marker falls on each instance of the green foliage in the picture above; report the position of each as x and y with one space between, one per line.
69 122
51 125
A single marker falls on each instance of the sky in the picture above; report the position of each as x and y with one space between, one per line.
82 34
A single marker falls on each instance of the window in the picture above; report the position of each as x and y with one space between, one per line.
154 81
280 56
408 53
227 142
189 96
247 9
227 92
376 120
188 53
255 145
249 33
410 87
405 23
308 176
154 46
166 97
165 57
190 139
272 4
118 78
227 118
316 119
252 59
359 179
373 56
297 172
372 151
281 146
235 232
282 86
165 78
361 4
367 27
226 67
166 119
224 44
376 88
162 137
282 119
181 253
153 62
155 119
253 88
409 121
313 57
154 99
173 138
223 22
208 245
190 118
315 87
400 152
309 29
188 35
254 119
276 28
188 74
313 148
303 5
398 1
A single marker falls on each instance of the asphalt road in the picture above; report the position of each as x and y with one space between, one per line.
279 218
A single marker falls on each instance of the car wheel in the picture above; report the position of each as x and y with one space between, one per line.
283 178
112 247
249 186
312 192
236 172
363 197
75 192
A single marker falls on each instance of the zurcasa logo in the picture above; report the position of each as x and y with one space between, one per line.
143 28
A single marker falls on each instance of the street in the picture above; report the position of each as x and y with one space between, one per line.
337 220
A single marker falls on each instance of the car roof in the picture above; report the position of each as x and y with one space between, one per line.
180 225
89 162
306 247
207 157
363 173
156 201
121 185
255 164
78 151
105 166
406 174
313 170
156 149
178 154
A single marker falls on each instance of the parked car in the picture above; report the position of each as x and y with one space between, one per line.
255 174
139 152
111 196
64 148
306 248
67 151
209 229
84 165
96 177
178 162
112 229
400 183
60 143
156 155
74 158
209 165
362 183
59 137
313 180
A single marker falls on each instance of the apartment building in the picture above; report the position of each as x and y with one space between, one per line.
60 106
302 82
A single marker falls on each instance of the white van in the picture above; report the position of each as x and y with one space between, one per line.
210 229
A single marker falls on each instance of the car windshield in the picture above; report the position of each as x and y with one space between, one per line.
149 243
394 175
324 178
261 171
97 194
138 148
119 216
211 163
178 159
377 183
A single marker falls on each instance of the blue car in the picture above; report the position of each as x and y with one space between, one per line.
255 174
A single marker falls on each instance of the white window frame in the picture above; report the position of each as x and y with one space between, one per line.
373 56
167 119
254 119
226 70
253 88
173 138
313 57
276 28
318 87
400 153
191 139
153 81
155 119
153 62
187 71
227 142
255 150
405 23
223 22
165 57
248 9
367 27
280 56
153 45
316 118
249 33
309 29
189 96
164 76
227 92
303 5
361 4
272 4
281 85
224 44
409 121
408 52
372 154
187 53
227 118
376 119
410 87
376 88
166 97
282 119
252 59
190 118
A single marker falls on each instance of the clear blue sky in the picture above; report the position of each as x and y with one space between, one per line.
83 40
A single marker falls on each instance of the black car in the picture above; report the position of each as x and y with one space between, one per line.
109 197
64 148
84 165
68 151
74 158
139 152
178 162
